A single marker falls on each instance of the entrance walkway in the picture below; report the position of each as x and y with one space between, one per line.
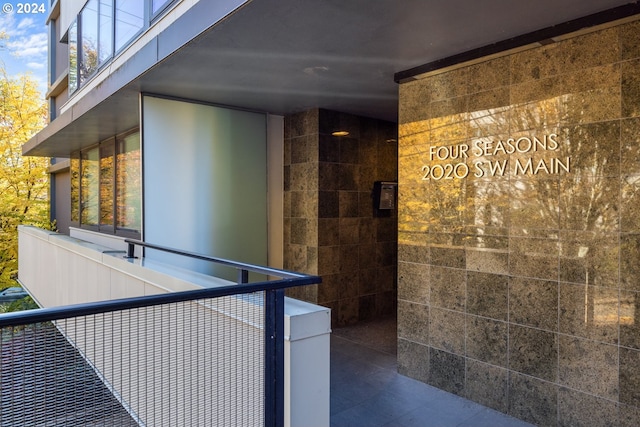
366 390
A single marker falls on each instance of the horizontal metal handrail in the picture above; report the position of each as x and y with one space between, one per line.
85 309
131 243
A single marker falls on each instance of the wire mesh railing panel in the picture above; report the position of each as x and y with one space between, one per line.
44 381
197 363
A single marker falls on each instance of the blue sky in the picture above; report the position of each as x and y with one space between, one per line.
25 51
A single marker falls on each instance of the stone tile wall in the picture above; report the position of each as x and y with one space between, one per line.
331 228
519 259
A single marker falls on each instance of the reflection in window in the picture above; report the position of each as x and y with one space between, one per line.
73 57
157 5
89 38
107 170
129 21
90 187
75 187
105 25
128 182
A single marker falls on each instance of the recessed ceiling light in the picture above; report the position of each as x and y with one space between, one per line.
340 133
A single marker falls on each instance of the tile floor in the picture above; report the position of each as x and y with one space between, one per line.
366 390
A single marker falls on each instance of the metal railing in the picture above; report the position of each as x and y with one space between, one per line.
211 356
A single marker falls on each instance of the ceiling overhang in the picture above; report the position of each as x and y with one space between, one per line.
293 55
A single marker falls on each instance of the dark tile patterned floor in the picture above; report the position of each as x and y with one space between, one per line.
366 390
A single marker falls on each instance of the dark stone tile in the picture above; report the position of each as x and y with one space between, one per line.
328 204
487 295
533 400
367 307
348 177
349 262
629 320
629 266
631 88
413 282
533 303
329 177
629 33
487 385
413 322
629 377
487 340
629 415
446 371
328 148
349 231
348 204
328 232
589 312
348 311
413 360
630 149
446 330
533 352
630 211
588 366
349 150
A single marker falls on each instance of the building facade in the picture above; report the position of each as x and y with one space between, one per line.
508 137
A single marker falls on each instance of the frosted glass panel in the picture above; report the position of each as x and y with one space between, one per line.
205 172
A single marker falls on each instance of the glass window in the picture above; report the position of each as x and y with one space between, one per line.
107 176
158 5
129 21
90 187
129 182
105 23
74 169
89 40
73 57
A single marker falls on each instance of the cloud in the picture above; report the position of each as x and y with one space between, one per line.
32 46
36 65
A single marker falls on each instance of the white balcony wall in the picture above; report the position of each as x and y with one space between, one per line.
60 270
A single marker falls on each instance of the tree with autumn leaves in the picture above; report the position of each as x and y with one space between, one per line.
24 181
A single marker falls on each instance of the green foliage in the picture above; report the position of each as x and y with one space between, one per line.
24 181
26 303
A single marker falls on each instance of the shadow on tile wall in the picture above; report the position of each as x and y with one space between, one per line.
331 226
519 230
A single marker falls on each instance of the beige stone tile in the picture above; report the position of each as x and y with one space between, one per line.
487 340
448 288
487 295
588 366
589 312
446 330
533 400
583 409
533 352
487 385
533 303
413 322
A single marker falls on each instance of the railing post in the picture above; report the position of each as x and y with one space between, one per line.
274 358
243 276
130 250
